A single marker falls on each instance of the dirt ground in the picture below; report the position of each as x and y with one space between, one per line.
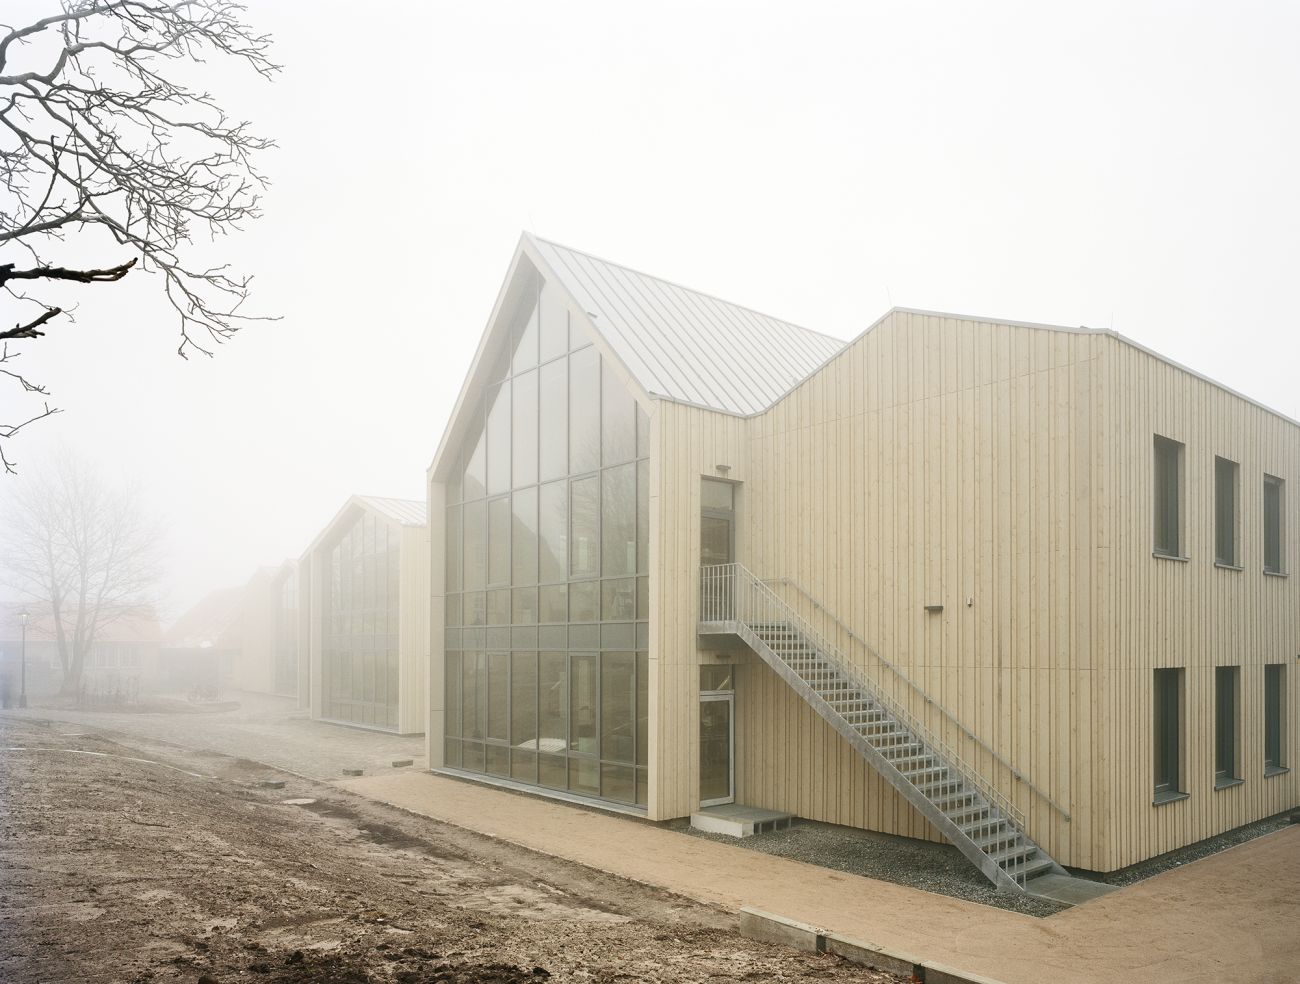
135 860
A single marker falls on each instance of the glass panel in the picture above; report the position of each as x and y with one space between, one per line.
617 419
498 607
498 760
643 598
499 541
526 345
554 524
498 439
454 556
642 433
715 541
618 707
617 782
473 696
472 756
475 608
523 559
584 776
716 677
642 787
553 771
584 419
553 416
451 753
524 431
523 701
476 469
642 708
642 517
618 520
555 323
498 696
524 608
584 601
717 495
584 527
553 603
583 700
475 545
552 703
618 600
715 750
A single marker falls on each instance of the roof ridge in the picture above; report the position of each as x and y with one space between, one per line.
690 290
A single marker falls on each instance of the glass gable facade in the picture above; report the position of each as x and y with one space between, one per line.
547 593
360 625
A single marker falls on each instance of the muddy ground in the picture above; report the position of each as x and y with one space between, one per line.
191 866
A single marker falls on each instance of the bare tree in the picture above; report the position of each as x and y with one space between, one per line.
102 140
85 549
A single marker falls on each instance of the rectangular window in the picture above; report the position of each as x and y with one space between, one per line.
553 523
617 420
1167 735
584 527
618 521
499 541
498 439
553 419
523 553
1225 512
1274 715
1225 725
1274 501
1168 496
584 411
524 430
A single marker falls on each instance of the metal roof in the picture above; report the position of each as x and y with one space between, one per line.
408 512
685 345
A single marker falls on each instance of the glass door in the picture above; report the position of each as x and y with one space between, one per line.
717 523
717 738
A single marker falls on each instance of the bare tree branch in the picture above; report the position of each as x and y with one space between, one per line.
103 140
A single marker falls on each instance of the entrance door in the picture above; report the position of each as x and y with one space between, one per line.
717 523
717 738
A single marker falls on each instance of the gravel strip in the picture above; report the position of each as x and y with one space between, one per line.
938 868
1194 852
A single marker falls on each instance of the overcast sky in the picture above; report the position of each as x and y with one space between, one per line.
1126 165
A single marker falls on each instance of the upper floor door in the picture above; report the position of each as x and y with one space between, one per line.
717 523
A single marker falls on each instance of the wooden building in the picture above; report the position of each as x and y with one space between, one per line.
363 620
1018 587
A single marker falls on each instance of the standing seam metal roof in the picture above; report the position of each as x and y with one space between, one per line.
408 512
685 345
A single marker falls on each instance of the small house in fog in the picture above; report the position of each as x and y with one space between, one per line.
1018 587
124 657
363 589
201 647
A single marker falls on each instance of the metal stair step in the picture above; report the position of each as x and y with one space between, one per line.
1018 854
1024 872
1000 839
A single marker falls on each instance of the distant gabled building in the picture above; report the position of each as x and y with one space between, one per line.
363 588
124 653
1018 587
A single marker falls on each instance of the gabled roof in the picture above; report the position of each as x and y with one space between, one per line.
408 512
684 345
211 622
404 512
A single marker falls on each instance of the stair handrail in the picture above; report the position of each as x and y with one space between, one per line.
920 692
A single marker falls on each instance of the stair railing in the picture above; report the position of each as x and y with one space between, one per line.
950 719
730 593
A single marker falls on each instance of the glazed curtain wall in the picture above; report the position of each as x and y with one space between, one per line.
359 644
547 594
286 636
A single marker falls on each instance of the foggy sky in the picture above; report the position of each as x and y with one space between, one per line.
1128 166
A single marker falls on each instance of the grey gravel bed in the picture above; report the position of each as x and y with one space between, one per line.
941 868
1193 852
938 868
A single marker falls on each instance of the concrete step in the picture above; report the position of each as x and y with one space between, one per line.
737 820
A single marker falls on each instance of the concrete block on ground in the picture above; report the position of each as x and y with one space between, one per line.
769 928
873 955
352 772
937 973
399 763
272 783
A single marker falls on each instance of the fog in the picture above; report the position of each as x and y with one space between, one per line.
1126 166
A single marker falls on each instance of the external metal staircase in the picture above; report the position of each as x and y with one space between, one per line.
983 823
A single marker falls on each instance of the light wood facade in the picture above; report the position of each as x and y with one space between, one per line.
972 501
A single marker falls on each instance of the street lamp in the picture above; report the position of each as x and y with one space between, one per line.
22 697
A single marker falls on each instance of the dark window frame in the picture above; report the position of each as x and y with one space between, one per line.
1167 734
1167 496
1274 525
1227 477
1226 693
